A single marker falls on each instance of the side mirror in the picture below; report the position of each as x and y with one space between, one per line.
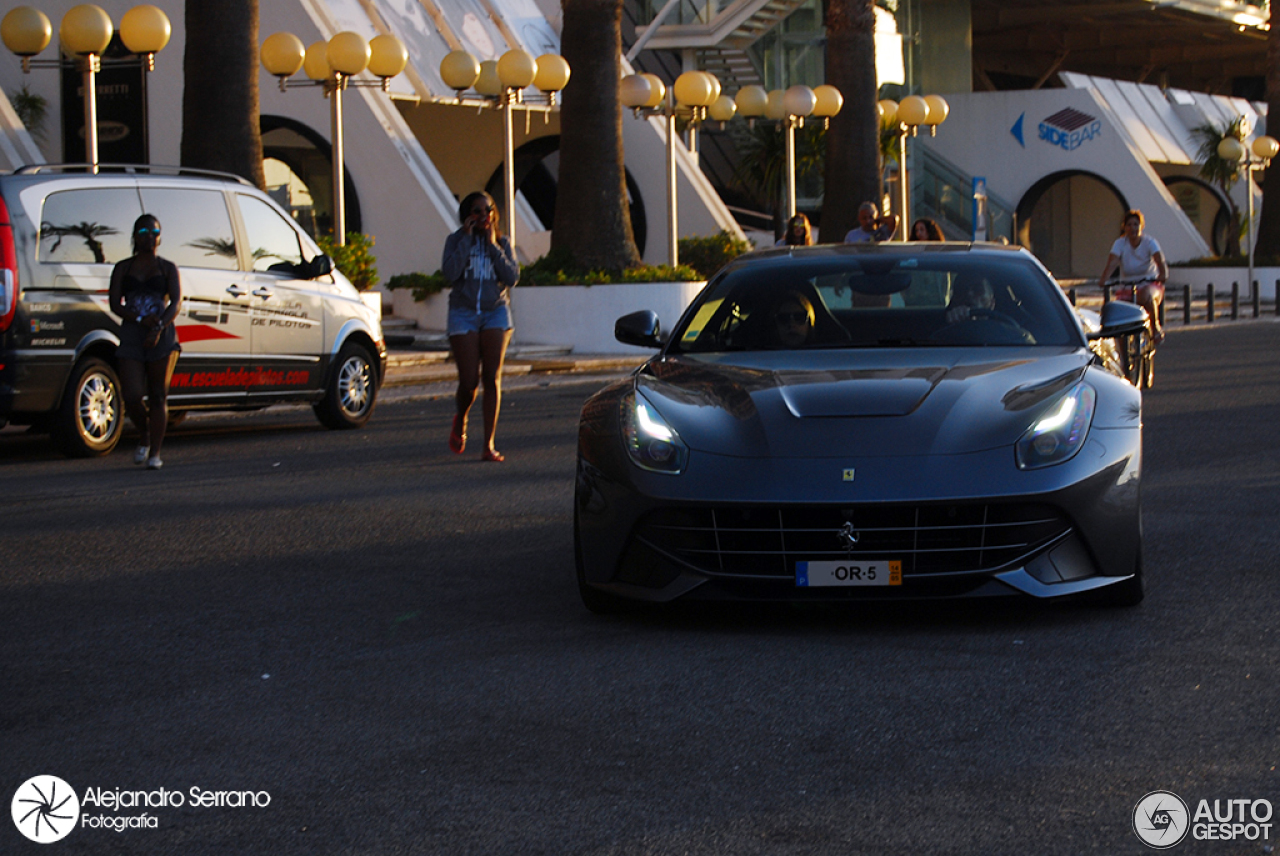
639 328
317 267
1120 319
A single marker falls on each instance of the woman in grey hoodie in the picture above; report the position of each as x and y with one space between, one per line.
481 265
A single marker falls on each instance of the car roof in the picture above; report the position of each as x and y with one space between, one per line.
109 171
889 249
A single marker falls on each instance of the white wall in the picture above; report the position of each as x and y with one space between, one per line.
405 202
977 137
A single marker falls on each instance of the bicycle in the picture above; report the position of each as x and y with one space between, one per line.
1138 352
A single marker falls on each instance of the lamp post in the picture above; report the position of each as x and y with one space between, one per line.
505 81
696 92
789 109
1255 156
914 111
85 31
333 65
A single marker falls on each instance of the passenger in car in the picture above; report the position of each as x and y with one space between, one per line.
793 320
481 265
146 293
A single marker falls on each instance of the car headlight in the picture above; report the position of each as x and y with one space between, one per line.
652 443
1060 432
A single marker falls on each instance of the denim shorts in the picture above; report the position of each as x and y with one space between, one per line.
463 320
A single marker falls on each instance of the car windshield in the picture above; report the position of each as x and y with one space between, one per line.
878 301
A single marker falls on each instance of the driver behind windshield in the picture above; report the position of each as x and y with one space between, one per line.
970 294
793 320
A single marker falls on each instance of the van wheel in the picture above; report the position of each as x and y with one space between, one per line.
91 418
351 391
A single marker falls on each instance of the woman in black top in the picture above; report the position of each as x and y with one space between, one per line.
146 294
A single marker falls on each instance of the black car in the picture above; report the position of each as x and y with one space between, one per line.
866 421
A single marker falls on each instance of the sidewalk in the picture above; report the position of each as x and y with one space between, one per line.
432 374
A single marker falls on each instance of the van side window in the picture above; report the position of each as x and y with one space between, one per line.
195 226
88 226
271 237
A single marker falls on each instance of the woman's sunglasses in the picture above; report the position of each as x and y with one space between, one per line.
482 211
148 230
797 317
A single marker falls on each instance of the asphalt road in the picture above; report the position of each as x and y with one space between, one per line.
387 640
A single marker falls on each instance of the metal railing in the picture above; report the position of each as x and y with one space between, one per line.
944 192
1208 304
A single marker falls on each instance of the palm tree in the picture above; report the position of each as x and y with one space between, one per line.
1269 223
853 141
762 159
89 232
220 127
1222 172
592 221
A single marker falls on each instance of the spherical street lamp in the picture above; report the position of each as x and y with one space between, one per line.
517 69
26 32
145 30
460 71
283 55
347 53
86 29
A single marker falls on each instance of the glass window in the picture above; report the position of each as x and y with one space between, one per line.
89 226
195 228
271 237
879 301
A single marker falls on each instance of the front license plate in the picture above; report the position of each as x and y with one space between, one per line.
875 572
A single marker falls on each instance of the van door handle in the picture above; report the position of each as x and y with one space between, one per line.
262 292
235 290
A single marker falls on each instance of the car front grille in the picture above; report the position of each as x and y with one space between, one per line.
930 540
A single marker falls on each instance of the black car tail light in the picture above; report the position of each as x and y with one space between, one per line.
8 270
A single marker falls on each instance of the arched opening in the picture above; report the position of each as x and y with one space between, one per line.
1205 205
537 172
1069 220
305 159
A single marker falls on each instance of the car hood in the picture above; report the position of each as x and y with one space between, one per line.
858 403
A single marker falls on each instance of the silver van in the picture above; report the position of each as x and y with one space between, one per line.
265 317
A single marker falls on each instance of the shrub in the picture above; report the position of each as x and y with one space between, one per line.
355 259
423 285
559 268
707 255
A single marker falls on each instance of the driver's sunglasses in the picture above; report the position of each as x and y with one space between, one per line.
145 230
482 211
798 317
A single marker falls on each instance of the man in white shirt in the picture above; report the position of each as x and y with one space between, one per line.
871 226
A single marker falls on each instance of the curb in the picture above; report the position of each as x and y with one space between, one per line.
410 368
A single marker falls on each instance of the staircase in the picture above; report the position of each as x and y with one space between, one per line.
737 24
943 192
734 67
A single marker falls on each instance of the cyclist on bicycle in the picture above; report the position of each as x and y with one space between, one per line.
1141 264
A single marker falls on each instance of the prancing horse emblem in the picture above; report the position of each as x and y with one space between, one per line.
848 535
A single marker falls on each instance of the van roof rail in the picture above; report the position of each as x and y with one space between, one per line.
132 169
